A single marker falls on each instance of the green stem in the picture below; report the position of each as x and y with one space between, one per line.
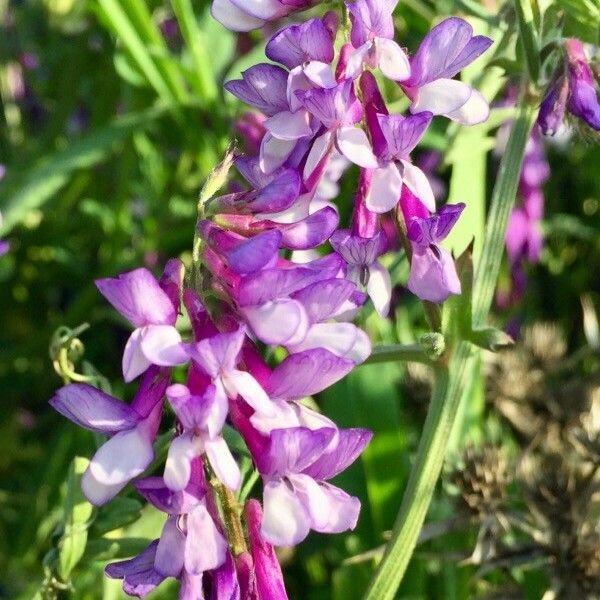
528 37
399 352
452 377
449 384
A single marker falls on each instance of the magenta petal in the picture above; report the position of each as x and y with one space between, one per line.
227 580
334 107
138 573
279 194
306 373
139 298
297 44
151 390
91 408
171 281
350 444
435 228
269 578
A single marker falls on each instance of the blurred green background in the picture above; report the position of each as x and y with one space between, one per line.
113 114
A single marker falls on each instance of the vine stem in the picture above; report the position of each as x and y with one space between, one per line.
452 375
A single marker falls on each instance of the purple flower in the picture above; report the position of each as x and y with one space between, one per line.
132 428
400 135
445 50
373 39
338 110
4 245
295 45
296 494
361 255
141 300
138 574
269 578
574 90
245 15
433 274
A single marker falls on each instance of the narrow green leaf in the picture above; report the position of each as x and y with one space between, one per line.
503 199
119 513
42 182
205 84
529 37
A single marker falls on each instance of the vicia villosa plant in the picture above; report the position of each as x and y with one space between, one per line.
280 273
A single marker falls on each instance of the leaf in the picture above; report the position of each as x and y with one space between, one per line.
42 182
529 37
119 513
104 549
78 512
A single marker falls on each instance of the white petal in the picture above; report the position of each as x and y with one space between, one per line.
168 560
354 66
384 192
343 339
123 457
319 73
313 498
279 322
234 18
134 361
288 125
262 9
392 60
286 521
242 383
223 463
441 96
162 345
205 547
96 492
178 467
354 144
284 417
418 184
475 110
320 149
379 288
274 152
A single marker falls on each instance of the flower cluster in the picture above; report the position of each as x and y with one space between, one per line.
265 279
572 90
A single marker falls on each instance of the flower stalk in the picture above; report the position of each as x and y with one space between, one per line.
451 379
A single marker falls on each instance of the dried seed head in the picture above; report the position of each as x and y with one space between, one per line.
482 479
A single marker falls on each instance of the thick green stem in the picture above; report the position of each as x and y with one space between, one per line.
451 378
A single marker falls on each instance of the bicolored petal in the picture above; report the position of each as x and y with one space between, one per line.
286 521
392 60
178 467
441 96
433 275
134 360
162 345
205 546
416 181
278 322
233 17
243 384
170 551
475 110
324 298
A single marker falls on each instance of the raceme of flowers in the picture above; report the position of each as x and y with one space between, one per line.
268 281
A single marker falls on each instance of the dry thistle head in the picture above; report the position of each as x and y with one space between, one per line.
586 435
482 478
530 388
563 497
